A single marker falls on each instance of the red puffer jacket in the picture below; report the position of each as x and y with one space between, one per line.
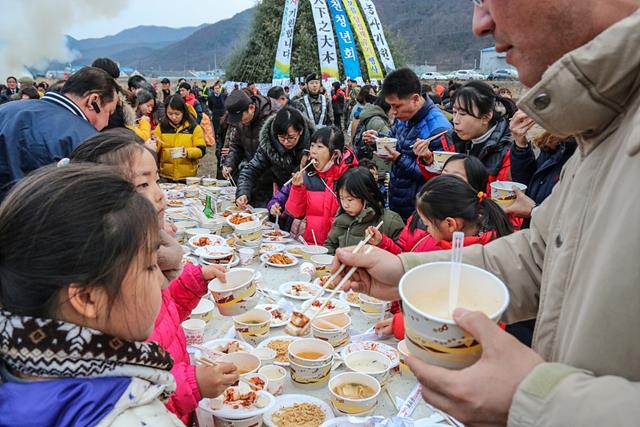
418 240
398 321
178 301
316 199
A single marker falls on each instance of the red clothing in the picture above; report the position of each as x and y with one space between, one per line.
398 321
315 201
418 240
178 301
503 173
190 99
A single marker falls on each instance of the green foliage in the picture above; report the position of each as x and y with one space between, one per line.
255 61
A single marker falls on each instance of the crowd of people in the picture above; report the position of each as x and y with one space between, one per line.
91 289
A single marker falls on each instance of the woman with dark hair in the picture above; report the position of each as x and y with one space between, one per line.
29 92
480 129
361 207
367 95
312 196
284 138
145 106
180 141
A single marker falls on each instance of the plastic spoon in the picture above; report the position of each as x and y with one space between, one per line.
456 267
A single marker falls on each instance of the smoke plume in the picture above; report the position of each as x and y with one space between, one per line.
33 31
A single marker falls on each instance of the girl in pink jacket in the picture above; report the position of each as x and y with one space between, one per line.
123 149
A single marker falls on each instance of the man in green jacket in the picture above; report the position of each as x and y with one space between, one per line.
576 269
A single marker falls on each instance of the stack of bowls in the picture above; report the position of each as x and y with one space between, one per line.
310 362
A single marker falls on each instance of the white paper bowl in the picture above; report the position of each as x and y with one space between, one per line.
238 295
353 406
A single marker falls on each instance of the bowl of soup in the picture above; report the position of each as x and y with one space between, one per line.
354 393
441 157
246 363
238 295
311 250
383 143
322 264
429 327
310 377
503 194
253 326
310 352
333 329
371 363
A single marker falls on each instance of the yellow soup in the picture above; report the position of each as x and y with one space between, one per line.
435 300
310 355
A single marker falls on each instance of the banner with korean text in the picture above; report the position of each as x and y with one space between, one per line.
377 34
348 49
360 28
282 67
326 42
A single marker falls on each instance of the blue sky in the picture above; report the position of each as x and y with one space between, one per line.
181 13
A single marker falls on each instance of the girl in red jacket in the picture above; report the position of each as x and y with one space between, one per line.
415 237
447 204
122 149
313 191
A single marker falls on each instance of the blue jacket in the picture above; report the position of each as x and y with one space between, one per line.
542 174
406 178
36 133
64 402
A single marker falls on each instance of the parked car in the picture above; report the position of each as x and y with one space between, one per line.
466 75
504 74
434 76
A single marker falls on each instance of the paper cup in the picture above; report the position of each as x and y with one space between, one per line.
312 250
194 180
238 295
253 326
276 376
266 355
177 152
209 182
374 309
323 264
502 192
310 377
349 405
429 329
300 350
371 363
204 310
245 362
337 337
246 255
194 331
383 143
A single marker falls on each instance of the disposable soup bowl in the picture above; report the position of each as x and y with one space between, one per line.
371 363
333 328
310 377
246 363
238 295
253 326
204 310
429 328
350 405
502 192
302 350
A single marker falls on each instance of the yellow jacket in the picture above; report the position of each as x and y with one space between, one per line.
192 138
142 128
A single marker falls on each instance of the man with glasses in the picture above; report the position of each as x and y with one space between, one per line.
576 269
247 114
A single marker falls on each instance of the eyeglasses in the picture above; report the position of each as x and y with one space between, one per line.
288 138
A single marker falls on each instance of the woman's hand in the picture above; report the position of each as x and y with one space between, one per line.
298 179
276 209
242 202
384 328
520 124
226 172
213 380
421 150
152 143
378 275
210 272
376 236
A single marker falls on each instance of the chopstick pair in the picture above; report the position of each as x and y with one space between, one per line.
312 162
432 138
